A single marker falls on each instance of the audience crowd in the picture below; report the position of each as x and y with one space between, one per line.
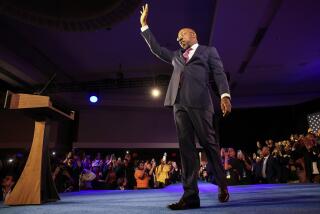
294 160
77 172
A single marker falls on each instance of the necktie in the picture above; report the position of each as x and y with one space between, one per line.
186 54
186 58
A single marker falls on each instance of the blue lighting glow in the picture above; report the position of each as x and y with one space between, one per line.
93 99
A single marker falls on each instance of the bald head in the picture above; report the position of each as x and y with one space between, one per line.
190 30
187 37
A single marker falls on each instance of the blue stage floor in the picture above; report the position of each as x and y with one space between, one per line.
271 199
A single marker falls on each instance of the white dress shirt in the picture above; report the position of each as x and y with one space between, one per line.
193 49
191 53
264 166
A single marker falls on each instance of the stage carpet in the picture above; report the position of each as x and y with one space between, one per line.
271 199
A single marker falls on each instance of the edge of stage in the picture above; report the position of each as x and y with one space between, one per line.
262 198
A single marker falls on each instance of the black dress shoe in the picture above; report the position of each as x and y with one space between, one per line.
223 195
182 205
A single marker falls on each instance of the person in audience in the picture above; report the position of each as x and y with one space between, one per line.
284 158
86 177
162 173
151 167
7 185
129 172
96 168
259 147
70 168
245 168
142 176
104 167
111 179
270 145
86 162
119 168
311 155
174 174
269 169
317 137
298 149
203 173
122 183
77 169
232 167
68 157
97 162
62 175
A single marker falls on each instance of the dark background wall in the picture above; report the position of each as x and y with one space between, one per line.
16 132
126 128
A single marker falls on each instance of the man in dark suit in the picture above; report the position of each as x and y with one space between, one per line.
189 94
269 168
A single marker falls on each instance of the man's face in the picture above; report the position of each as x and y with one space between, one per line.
309 141
128 157
141 166
258 144
186 38
70 162
265 151
119 161
270 143
287 148
69 155
148 165
232 153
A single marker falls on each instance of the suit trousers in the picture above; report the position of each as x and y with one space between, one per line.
191 122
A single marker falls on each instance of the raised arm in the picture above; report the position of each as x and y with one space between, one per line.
161 52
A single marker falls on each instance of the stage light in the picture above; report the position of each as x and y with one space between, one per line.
10 160
155 92
93 99
53 153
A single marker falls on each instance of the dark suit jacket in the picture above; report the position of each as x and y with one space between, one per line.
195 91
273 171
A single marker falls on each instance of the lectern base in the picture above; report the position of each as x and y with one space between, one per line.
35 185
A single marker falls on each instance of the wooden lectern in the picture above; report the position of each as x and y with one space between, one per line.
35 185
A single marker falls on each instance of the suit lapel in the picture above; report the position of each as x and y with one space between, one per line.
180 57
197 53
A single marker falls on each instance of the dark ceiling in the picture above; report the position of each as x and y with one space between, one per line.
270 48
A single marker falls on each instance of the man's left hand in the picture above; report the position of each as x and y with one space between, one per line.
225 106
